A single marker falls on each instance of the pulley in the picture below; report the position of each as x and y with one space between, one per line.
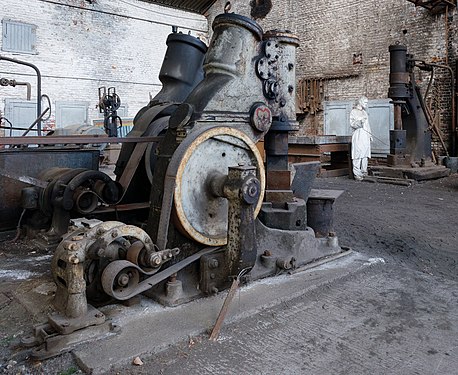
200 214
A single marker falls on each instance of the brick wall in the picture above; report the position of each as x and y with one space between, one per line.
82 46
331 32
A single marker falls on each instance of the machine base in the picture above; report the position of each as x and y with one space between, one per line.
417 174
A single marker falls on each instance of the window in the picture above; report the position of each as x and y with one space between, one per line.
19 37
71 113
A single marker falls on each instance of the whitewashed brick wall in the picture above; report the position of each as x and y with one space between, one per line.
82 46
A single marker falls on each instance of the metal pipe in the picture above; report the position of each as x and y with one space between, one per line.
14 83
78 140
452 78
34 67
29 88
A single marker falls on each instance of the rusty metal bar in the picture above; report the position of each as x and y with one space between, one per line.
397 117
39 118
78 140
222 314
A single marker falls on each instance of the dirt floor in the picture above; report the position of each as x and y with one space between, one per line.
415 227
412 229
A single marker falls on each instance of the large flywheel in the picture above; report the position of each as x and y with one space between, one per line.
200 214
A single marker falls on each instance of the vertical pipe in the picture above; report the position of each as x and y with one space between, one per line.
38 86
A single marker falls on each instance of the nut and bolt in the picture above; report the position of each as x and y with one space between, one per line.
123 279
213 263
155 260
73 246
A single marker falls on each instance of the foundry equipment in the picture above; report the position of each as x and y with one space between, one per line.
410 140
109 103
215 210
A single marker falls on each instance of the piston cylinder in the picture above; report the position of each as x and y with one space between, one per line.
399 76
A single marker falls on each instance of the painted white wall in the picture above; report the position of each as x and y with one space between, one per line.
82 46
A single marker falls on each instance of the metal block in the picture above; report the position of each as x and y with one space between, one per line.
304 175
291 216
279 196
278 180
451 163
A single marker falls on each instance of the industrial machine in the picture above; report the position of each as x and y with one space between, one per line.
410 141
218 206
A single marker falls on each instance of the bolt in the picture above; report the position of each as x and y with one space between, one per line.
213 263
100 231
123 279
252 190
290 88
214 290
114 234
212 276
267 253
282 102
73 246
74 259
290 66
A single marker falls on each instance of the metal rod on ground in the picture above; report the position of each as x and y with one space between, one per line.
230 296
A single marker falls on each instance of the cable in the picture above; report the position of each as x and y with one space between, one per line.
49 106
87 79
118 15
18 228
9 122
156 12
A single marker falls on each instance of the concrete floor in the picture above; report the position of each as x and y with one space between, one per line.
370 320
388 308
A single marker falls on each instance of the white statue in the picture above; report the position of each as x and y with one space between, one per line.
361 138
